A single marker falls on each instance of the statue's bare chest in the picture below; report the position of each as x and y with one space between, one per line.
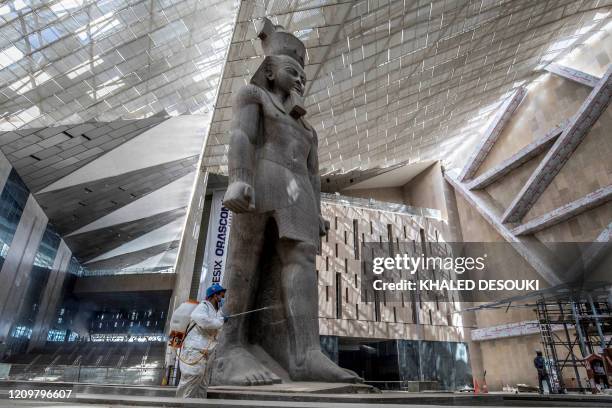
285 134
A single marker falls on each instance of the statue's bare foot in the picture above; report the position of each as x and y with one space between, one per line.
319 367
239 367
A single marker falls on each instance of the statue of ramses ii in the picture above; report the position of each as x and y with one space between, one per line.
274 192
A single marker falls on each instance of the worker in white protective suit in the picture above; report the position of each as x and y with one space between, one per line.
200 341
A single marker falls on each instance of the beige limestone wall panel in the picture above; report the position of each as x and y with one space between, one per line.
504 190
588 169
404 313
325 306
585 227
550 101
426 189
444 333
547 103
328 303
496 317
510 361
476 229
473 227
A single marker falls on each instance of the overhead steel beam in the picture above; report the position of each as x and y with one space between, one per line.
562 149
565 212
492 134
531 249
573 74
518 159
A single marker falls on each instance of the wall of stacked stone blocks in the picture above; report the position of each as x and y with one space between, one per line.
339 272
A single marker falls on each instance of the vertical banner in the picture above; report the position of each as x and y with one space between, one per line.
215 253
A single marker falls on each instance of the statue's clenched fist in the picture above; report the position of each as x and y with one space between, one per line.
239 197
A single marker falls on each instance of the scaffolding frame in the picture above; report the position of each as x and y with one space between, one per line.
572 328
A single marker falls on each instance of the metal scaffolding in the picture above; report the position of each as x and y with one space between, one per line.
574 327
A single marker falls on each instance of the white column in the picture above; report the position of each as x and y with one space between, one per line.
185 261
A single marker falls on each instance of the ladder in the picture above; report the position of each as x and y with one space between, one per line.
550 351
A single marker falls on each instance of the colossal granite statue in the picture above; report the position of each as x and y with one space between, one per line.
274 192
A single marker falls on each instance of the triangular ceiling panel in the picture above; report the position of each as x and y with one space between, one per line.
174 139
89 245
167 233
169 197
162 260
42 156
74 207
129 259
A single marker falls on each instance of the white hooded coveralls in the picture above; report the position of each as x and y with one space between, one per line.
198 345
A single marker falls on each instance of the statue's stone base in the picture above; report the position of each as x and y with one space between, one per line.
300 387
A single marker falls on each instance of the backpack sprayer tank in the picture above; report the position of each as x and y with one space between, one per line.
180 322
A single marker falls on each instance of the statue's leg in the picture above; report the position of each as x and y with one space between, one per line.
234 364
299 284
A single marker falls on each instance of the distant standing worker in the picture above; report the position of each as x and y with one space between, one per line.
200 341
540 365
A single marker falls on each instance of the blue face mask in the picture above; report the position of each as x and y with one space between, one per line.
221 302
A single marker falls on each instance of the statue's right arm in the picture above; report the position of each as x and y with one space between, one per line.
241 157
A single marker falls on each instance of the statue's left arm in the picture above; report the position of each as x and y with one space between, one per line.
315 180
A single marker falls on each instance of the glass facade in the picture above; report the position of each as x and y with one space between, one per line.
133 322
36 283
67 315
74 267
12 202
395 364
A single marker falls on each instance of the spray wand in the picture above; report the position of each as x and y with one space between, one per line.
250 311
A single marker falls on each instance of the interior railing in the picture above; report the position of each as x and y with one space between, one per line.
83 374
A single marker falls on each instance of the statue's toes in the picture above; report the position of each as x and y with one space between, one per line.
270 378
352 376
257 379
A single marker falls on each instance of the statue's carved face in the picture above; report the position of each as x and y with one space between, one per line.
287 75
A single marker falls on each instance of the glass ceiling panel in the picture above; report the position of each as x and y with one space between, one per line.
396 81
72 61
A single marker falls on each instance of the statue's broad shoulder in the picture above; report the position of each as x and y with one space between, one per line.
254 94
249 94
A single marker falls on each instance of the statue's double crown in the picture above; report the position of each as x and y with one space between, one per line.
276 41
